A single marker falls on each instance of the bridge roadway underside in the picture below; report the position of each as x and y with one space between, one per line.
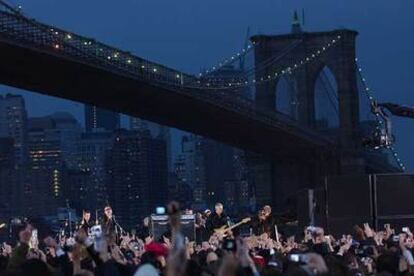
53 75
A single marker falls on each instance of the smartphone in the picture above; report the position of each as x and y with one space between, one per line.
33 243
395 238
298 258
160 210
405 229
34 234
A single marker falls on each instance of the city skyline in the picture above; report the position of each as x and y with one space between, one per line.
321 15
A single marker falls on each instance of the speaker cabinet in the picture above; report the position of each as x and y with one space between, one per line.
161 226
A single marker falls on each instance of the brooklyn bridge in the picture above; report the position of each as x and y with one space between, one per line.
290 131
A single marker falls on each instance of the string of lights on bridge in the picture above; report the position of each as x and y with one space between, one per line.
206 84
276 74
178 76
270 77
372 100
243 52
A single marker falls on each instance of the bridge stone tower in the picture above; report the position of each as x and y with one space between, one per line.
286 50
287 176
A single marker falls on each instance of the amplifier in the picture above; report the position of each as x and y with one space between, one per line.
160 226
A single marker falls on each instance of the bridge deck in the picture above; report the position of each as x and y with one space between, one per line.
32 61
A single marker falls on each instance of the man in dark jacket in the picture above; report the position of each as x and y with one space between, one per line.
217 219
86 222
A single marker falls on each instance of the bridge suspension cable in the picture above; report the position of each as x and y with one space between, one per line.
214 81
271 76
233 58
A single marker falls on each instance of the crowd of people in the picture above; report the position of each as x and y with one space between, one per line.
265 251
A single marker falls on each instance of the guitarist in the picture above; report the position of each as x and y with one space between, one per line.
217 219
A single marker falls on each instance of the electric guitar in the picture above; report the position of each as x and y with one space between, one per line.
225 229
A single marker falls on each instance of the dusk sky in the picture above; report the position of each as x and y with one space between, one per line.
192 34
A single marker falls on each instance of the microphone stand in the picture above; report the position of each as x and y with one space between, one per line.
70 218
96 217
117 226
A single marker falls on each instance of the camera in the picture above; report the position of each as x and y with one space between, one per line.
229 245
160 210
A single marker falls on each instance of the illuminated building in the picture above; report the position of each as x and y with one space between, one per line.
98 118
137 175
13 123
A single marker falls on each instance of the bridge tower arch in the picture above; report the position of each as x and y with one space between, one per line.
274 53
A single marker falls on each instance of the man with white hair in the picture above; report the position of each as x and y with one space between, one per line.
217 219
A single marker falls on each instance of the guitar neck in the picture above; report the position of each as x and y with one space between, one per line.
234 225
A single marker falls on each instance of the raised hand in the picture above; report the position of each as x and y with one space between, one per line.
7 249
50 242
379 237
117 255
346 246
25 236
148 240
388 230
408 232
369 233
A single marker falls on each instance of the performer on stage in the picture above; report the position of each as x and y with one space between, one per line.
217 219
86 222
108 223
259 224
270 220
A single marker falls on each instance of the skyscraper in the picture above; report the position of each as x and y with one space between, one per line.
189 167
8 179
13 123
51 143
91 153
137 175
157 131
69 131
43 186
96 118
